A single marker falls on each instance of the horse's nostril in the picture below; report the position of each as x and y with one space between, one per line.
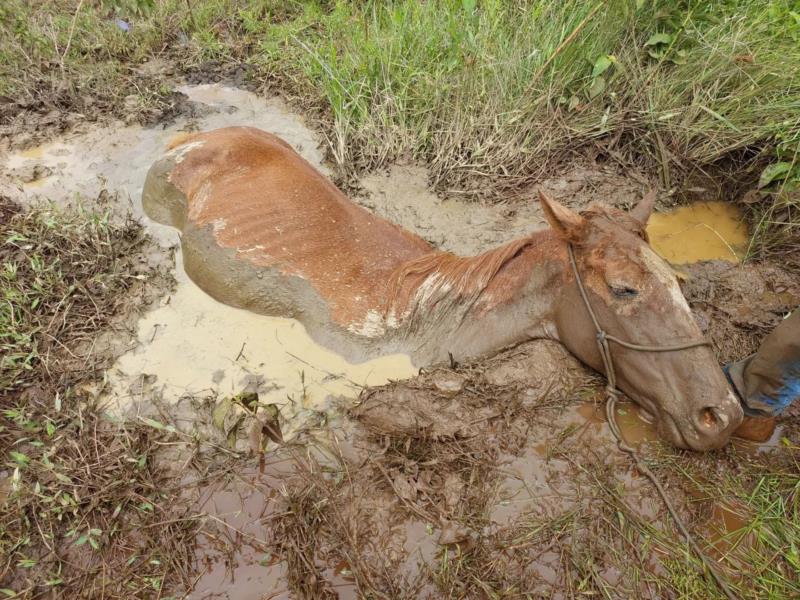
712 419
709 418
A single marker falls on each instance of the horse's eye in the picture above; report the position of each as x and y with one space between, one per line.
623 291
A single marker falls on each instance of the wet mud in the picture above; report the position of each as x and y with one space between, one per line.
498 475
468 479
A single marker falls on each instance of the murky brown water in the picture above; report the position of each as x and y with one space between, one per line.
700 231
728 528
234 561
541 479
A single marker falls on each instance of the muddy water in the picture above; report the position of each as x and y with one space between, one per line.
234 561
191 344
540 480
194 345
700 231
728 527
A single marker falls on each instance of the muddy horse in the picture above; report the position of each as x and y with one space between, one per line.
264 231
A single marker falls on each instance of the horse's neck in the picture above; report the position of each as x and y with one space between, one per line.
471 306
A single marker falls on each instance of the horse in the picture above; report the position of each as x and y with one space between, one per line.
264 231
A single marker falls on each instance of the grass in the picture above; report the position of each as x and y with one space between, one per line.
499 90
55 266
491 95
757 548
85 506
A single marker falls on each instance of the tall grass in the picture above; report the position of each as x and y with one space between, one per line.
489 94
493 92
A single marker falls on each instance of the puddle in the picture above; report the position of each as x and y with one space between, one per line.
233 553
541 480
700 231
728 526
194 345
233 557
634 423
755 448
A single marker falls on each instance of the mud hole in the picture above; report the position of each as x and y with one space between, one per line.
492 479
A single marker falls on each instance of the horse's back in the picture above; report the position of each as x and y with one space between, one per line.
257 197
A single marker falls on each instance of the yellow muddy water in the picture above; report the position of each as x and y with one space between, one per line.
700 231
193 345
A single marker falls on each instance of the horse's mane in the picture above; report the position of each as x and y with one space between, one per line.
442 280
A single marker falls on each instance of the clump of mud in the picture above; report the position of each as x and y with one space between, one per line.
736 305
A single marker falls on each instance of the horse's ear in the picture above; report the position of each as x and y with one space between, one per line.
565 221
642 211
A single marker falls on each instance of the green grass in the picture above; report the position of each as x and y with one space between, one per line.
80 497
56 269
759 556
495 92
489 95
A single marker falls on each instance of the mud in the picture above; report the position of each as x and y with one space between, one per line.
402 195
504 469
736 306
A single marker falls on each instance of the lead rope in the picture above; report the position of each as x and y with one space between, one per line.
612 395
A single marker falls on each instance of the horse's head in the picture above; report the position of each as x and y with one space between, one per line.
636 298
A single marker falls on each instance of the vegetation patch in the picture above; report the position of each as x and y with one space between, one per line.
490 95
86 507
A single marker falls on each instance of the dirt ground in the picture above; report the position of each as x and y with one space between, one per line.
492 479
